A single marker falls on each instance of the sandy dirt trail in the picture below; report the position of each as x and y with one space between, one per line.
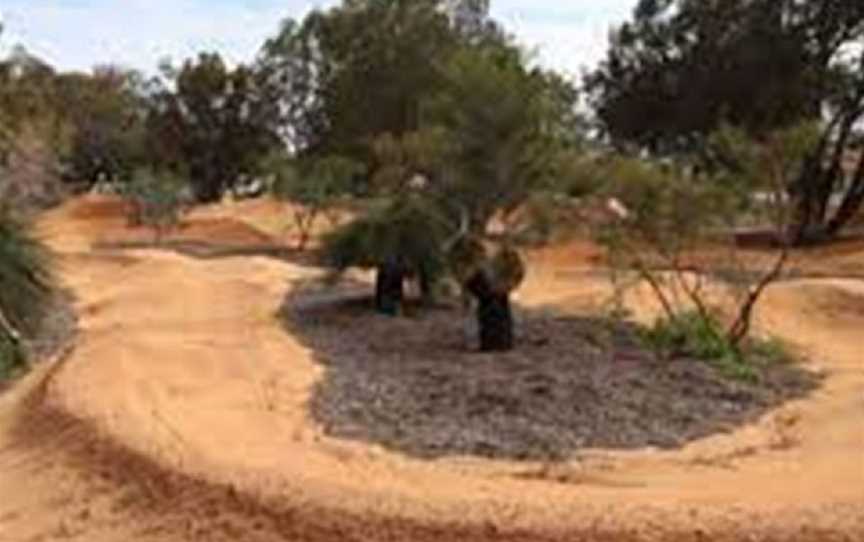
181 415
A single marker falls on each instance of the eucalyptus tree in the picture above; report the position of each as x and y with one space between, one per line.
680 69
491 140
212 124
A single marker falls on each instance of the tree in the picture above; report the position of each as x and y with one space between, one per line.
344 76
156 200
490 140
313 186
69 126
31 130
104 114
679 235
681 68
510 133
27 93
215 125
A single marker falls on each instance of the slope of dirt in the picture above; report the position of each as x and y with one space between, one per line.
182 415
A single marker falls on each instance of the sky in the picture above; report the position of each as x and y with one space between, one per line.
78 34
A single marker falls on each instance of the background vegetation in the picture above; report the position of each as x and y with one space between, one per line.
704 117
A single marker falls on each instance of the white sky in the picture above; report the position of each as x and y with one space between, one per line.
77 34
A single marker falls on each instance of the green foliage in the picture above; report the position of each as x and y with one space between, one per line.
679 234
156 200
314 185
669 208
105 124
690 335
312 182
771 163
504 133
215 125
25 289
680 70
348 74
11 357
405 230
25 275
28 95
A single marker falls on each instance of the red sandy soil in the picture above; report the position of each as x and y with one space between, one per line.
105 219
181 414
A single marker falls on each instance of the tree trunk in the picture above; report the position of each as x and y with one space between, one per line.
427 286
389 284
852 202
494 315
813 194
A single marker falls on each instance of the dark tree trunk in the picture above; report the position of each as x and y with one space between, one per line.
852 202
427 286
813 193
389 285
822 174
494 315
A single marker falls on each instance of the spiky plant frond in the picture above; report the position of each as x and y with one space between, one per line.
405 230
25 288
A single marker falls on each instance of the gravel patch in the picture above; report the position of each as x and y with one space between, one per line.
414 385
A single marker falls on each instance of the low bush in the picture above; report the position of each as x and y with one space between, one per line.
157 200
690 335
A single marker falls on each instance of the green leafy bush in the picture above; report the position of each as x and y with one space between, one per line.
689 334
314 186
405 230
11 357
157 200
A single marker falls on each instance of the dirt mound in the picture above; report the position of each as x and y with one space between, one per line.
98 208
183 414
193 230
105 220
223 230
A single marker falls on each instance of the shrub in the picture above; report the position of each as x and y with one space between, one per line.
689 335
405 230
25 289
11 357
157 201
678 233
314 186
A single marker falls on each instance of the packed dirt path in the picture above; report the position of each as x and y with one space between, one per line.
181 415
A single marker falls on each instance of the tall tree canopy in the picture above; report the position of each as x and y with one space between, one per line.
215 124
105 121
680 69
348 74
494 135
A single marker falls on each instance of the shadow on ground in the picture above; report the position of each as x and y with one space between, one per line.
415 385
204 250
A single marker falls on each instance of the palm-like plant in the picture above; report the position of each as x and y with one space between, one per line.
399 238
25 289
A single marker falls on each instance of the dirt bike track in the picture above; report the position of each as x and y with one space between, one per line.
180 414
